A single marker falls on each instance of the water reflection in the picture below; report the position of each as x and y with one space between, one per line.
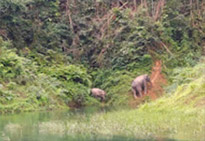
58 126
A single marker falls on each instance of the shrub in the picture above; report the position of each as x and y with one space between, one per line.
117 84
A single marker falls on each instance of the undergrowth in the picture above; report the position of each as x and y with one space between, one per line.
27 84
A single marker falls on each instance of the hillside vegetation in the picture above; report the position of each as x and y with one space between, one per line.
52 52
180 116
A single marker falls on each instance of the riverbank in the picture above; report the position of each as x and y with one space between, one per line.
180 116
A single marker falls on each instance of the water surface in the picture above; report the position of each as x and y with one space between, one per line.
57 126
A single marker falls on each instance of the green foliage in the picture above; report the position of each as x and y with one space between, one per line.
6 96
13 66
70 73
25 23
52 44
118 87
79 94
75 79
175 29
128 42
123 41
184 75
117 84
37 86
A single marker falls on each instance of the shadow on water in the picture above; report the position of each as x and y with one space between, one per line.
51 126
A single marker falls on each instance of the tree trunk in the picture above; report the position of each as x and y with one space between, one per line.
135 5
68 13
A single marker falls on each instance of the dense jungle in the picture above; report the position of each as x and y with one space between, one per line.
53 52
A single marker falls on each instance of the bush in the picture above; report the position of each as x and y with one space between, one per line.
117 84
70 73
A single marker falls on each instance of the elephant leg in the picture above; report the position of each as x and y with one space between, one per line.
102 98
139 89
145 88
134 93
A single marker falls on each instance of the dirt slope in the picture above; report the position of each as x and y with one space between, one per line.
158 80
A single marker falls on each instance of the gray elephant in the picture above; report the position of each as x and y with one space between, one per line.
98 93
139 84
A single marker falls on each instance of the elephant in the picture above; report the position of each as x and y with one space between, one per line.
98 93
139 84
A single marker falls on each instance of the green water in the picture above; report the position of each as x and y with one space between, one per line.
54 126
47 126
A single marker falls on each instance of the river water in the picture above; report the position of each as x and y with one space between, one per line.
48 126
57 126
